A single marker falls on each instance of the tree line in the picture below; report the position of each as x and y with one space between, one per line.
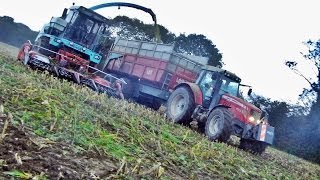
14 33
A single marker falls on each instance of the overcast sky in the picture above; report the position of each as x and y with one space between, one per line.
255 36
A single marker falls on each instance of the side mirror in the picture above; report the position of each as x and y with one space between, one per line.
64 14
249 92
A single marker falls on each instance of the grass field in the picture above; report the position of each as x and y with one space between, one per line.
137 142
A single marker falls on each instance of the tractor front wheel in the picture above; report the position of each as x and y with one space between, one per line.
253 146
180 106
218 125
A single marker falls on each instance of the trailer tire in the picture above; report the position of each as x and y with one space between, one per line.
180 106
218 125
253 146
155 105
128 89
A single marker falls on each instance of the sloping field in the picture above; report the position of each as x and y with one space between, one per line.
61 130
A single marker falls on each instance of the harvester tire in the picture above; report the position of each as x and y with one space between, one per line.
253 146
218 125
180 106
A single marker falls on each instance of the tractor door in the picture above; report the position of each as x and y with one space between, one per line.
207 84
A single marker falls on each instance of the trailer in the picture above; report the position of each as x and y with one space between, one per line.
152 70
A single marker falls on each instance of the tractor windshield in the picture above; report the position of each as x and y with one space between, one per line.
82 29
229 86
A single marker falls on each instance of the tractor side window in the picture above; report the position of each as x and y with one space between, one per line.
229 86
207 84
233 88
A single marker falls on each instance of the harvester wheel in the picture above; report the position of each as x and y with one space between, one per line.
253 146
218 125
180 106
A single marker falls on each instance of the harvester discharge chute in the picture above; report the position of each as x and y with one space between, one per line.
147 10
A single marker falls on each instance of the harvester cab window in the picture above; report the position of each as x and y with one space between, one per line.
87 25
69 16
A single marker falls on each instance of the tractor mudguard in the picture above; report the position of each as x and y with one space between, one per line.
196 91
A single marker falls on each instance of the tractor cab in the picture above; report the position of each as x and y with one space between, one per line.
213 102
215 82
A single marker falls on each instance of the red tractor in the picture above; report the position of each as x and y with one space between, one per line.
213 101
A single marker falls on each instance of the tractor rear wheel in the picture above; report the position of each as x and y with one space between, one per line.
180 106
218 125
253 146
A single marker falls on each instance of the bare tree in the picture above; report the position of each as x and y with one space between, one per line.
312 56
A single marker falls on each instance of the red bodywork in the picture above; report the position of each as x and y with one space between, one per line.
239 108
71 58
196 91
101 81
153 70
26 47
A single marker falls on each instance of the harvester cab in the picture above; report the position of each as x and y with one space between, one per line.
79 31
213 101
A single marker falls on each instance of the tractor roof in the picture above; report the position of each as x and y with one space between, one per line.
225 72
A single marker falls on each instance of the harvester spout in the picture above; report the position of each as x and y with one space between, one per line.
119 4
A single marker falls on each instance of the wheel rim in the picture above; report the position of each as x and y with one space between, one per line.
178 105
214 124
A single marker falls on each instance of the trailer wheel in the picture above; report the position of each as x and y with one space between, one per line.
218 125
253 146
180 106
155 105
128 89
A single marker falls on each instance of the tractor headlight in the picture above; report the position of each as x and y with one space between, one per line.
251 119
97 57
57 40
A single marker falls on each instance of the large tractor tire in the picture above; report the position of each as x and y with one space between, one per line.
180 106
218 125
253 146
